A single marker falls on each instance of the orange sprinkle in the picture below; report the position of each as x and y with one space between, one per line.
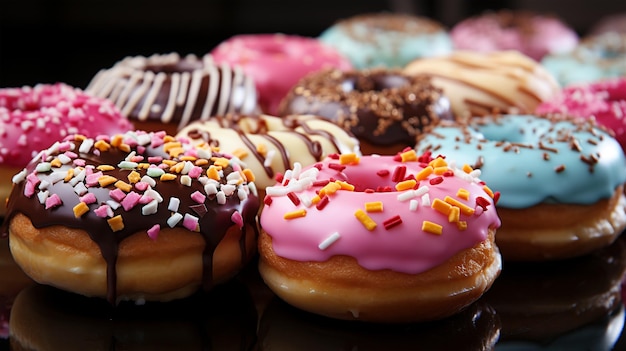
124 147
134 177
168 138
56 162
116 140
408 156
105 168
467 168
376 206
220 162
315 199
177 168
102 145
261 149
248 175
424 173
405 185
176 151
69 175
367 222
106 180
79 137
345 159
80 209
438 162
295 214
188 158
171 145
143 165
345 185
462 225
123 186
462 194
240 153
433 228
201 162
116 223
169 162
440 170
213 173
167 176
330 189
488 191
441 206
455 214
466 210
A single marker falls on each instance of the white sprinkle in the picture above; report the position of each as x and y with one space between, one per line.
276 191
149 180
306 201
242 194
153 194
221 197
234 176
187 167
43 167
143 139
287 177
43 196
407 195
413 205
268 158
228 189
210 189
133 165
297 168
421 190
57 176
475 173
130 156
174 219
19 177
44 184
425 200
113 204
80 189
185 180
174 204
86 145
150 208
204 153
252 188
64 159
329 241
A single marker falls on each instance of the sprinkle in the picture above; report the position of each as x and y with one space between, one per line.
467 168
134 177
113 204
466 210
454 215
376 206
392 222
150 208
213 173
80 189
167 177
441 206
367 222
295 214
425 200
53 201
190 222
220 197
43 167
329 241
174 220
439 162
482 202
106 180
345 185
155 172
383 173
267 200
116 223
408 156
80 209
433 228
462 194
43 196
398 173
350 158
127 165
185 180
90 198
559 168
488 191
19 177
424 173
153 232
117 194
123 186
413 205
436 180
237 219
130 201
249 175
294 198
198 197
321 203
103 211
173 204
336 167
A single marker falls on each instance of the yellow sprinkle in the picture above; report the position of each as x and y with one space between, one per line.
167 176
345 185
124 147
365 219
462 225
106 180
134 177
462 194
467 168
295 214
315 199
177 168
167 146
201 162
169 162
466 210
424 173
143 165
79 137
69 175
248 175
454 215
488 191
80 209
123 186
105 168
168 138
261 149
188 158
406 185
116 140
56 162
433 228
440 170
376 206
213 173
220 162
330 189
102 145
116 223
438 162
176 151
441 206
345 159
240 153
408 156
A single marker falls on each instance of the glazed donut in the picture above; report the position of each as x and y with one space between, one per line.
387 39
384 109
166 92
277 61
270 145
533 34
483 83
137 216
595 58
33 118
379 238
561 180
605 101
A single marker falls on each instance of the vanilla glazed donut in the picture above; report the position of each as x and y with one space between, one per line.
269 145
34 117
138 216
277 61
385 109
379 238
480 83
561 180
167 91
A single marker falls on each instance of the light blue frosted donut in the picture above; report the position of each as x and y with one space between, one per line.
387 40
531 160
596 58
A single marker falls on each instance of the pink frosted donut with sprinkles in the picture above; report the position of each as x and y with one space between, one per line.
399 238
134 216
33 118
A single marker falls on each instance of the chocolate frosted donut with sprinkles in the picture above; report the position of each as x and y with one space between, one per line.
385 109
139 216
392 239
561 180
167 91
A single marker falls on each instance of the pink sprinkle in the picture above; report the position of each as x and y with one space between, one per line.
236 167
130 200
102 211
153 232
190 222
29 189
198 197
237 219
71 154
141 186
64 146
92 179
117 195
141 149
195 172
53 201
79 162
32 178
137 158
145 199
156 141
89 198
155 159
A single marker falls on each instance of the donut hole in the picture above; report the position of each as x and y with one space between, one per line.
376 83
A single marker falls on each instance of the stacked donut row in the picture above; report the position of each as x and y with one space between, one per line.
408 185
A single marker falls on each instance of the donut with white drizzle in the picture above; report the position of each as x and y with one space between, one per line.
379 238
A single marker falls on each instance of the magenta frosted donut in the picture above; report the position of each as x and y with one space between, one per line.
532 34
276 62
603 100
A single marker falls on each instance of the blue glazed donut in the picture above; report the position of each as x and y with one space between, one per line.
386 39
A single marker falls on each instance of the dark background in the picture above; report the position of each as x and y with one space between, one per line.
48 41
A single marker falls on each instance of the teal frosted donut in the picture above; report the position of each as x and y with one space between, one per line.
547 170
595 58
386 39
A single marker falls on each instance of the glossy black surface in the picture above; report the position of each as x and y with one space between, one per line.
573 304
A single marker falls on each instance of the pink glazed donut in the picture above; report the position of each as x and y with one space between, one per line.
277 61
34 118
532 34
394 239
603 100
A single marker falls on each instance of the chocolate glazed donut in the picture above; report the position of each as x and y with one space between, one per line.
385 109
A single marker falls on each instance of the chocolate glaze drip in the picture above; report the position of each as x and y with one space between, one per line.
213 222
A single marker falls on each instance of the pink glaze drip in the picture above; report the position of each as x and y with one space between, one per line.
403 247
276 62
